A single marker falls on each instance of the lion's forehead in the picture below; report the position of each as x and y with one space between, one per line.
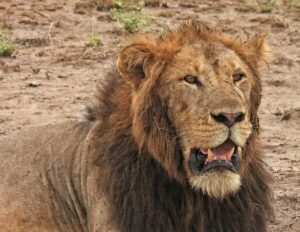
197 59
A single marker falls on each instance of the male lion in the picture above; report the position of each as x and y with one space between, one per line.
172 145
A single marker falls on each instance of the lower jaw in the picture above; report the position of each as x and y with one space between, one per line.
217 183
219 165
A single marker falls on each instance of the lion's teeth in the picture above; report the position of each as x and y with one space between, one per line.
204 151
230 154
210 155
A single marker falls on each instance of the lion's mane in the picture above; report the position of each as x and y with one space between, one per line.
149 193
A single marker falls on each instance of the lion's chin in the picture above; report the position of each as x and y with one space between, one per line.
216 183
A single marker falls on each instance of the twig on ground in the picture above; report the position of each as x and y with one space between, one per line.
49 33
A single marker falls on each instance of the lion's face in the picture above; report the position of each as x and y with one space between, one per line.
208 89
201 99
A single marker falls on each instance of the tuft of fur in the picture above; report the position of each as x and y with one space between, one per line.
224 183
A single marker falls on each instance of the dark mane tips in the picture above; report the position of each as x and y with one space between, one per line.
102 105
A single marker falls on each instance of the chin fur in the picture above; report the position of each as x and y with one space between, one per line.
216 183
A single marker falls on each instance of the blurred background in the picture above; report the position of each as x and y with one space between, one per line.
54 53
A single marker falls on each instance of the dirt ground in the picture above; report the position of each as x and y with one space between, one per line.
53 73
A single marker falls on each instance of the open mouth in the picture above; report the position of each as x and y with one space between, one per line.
223 156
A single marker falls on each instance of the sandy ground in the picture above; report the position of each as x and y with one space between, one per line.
53 74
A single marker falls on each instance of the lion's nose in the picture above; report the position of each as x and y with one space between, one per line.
229 119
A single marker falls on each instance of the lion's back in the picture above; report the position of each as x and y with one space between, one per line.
29 146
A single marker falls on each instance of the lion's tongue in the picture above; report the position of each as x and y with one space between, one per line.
222 152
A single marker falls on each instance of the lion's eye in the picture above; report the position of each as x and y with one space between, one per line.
191 79
238 76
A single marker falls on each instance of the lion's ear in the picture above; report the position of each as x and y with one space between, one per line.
135 60
259 48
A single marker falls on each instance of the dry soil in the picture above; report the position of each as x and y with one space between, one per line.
53 73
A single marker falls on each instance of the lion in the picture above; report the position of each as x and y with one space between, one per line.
171 144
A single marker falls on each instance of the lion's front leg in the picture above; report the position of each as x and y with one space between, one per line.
99 218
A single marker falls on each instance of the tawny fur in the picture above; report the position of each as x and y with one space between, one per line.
126 168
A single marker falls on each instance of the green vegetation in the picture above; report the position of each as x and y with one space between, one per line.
265 7
129 4
6 46
132 20
93 40
291 3
268 7
96 2
124 4
125 11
